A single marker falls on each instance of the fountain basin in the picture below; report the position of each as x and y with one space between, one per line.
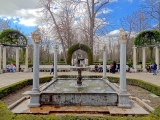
65 92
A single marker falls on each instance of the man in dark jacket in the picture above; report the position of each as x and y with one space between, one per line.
155 69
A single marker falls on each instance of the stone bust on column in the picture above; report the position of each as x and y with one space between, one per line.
36 36
122 36
123 95
35 95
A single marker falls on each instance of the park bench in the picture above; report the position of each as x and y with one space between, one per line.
47 68
139 68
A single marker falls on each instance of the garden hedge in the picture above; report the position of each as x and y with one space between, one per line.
4 91
6 114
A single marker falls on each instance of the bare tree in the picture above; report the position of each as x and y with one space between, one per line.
4 24
134 23
60 21
152 8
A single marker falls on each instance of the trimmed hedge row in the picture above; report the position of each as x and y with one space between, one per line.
4 91
140 83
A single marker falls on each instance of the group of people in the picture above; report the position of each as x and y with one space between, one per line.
112 69
11 67
98 68
151 68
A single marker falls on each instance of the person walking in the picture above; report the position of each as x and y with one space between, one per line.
114 67
154 69
52 69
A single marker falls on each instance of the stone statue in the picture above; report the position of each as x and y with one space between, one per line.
104 47
56 46
123 36
36 36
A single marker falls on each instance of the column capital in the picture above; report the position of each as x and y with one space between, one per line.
144 47
56 46
122 36
18 48
134 47
104 47
156 46
27 47
36 36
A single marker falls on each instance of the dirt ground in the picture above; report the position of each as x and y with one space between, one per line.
135 91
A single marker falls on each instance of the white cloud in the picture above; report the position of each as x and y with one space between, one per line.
130 1
113 33
23 10
15 21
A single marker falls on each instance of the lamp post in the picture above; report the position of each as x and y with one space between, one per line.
34 95
123 95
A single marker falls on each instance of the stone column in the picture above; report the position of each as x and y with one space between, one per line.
17 59
26 60
123 95
55 60
157 57
1 71
4 57
104 61
144 59
35 95
134 59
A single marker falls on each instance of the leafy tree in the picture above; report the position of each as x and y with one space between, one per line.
148 38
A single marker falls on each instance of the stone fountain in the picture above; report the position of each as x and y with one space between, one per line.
93 91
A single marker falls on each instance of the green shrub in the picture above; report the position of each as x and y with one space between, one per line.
30 65
4 91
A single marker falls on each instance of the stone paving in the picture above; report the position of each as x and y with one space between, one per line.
10 78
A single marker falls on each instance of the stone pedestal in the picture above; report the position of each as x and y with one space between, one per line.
34 99
123 99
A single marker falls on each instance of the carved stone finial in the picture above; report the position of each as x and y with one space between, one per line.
104 47
122 36
36 36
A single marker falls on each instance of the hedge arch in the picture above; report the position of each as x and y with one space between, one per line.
11 37
147 38
82 47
